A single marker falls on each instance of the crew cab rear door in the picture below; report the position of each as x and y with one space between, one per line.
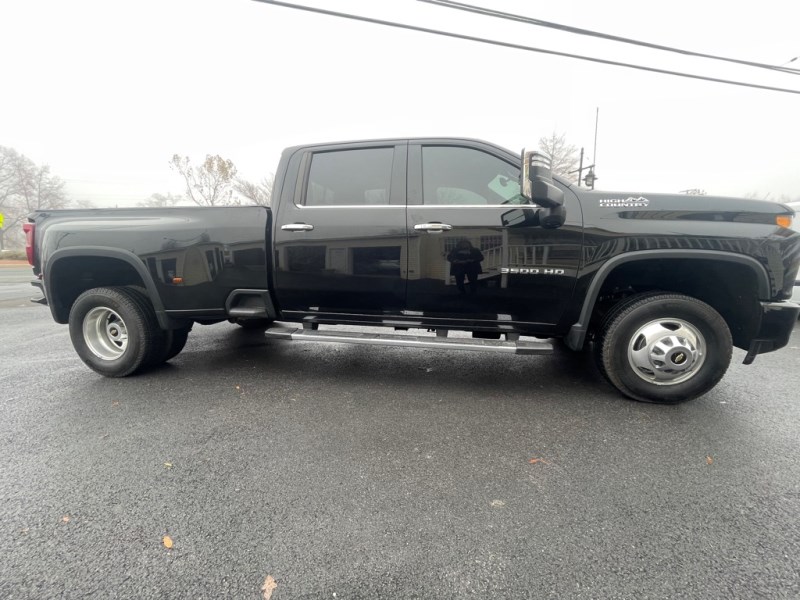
476 251
340 239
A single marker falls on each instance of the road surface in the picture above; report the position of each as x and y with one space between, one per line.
354 472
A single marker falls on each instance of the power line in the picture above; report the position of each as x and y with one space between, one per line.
606 36
471 38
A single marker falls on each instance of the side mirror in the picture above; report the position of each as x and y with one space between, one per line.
519 217
546 218
537 181
538 187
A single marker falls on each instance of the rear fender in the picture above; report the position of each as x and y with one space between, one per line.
51 268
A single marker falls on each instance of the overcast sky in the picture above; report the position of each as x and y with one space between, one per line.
105 92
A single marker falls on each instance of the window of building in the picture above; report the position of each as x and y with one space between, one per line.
484 243
306 259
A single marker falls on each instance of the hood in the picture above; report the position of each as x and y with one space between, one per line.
683 207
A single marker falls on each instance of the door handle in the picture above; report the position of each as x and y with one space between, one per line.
433 227
297 227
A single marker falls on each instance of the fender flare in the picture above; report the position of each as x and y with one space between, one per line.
577 333
104 252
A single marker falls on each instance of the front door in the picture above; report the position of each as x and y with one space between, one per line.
341 243
476 251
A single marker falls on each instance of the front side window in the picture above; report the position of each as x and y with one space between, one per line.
456 176
350 177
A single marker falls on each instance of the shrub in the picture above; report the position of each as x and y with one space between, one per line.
13 255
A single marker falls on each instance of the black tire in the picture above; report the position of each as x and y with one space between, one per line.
115 330
173 339
253 324
176 340
663 348
612 313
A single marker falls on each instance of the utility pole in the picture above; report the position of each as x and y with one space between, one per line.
590 176
596 119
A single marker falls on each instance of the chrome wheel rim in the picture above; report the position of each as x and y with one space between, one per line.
105 333
667 351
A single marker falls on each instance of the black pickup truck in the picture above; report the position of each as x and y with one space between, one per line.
437 235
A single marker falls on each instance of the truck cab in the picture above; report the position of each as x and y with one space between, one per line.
372 230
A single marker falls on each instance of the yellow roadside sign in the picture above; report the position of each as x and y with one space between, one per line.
2 218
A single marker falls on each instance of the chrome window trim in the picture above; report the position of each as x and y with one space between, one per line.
440 206
329 206
415 206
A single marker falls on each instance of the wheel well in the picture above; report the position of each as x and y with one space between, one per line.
71 276
730 288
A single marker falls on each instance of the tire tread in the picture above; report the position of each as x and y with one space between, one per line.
606 343
148 332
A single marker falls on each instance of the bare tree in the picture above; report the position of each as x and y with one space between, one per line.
161 201
563 156
782 199
757 195
83 203
209 184
24 188
259 193
8 157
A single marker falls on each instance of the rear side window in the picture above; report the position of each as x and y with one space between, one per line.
350 177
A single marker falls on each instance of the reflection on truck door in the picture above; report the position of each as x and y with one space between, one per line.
459 195
341 242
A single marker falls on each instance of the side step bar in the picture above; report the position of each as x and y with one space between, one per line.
409 341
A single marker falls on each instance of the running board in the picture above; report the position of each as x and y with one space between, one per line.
409 341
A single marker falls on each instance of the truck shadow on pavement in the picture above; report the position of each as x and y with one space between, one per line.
250 358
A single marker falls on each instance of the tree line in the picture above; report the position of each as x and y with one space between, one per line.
24 188
213 182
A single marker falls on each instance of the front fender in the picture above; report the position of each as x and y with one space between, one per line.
576 337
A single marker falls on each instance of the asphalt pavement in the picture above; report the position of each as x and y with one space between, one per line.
15 284
353 472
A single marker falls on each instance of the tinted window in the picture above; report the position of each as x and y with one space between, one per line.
464 176
350 177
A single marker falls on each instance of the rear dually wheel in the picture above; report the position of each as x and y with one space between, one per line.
115 331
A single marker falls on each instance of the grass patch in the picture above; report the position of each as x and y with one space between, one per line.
13 255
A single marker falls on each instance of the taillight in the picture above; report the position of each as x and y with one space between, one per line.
30 231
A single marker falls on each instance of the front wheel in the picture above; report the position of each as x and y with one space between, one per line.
114 330
664 348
